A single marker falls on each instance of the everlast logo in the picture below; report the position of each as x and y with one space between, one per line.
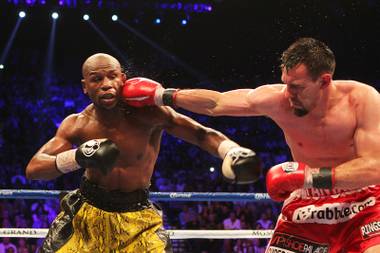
284 243
370 229
331 213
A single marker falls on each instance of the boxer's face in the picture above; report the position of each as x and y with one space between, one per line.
302 91
102 82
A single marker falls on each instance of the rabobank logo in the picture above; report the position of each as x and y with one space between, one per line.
331 213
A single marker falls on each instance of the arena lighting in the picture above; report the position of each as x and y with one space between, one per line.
108 41
114 17
157 21
22 14
187 7
198 75
196 6
86 17
183 22
48 69
54 15
11 38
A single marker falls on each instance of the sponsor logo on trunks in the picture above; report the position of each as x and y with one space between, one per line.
284 243
370 229
331 213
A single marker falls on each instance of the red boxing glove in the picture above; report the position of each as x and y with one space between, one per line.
284 178
141 92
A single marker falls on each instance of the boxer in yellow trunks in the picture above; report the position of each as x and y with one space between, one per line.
118 146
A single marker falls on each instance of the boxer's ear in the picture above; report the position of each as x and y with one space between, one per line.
83 81
325 80
123 77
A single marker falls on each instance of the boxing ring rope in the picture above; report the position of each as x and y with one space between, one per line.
174 234
155 196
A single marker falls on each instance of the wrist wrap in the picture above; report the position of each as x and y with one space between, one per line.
323 177
168 97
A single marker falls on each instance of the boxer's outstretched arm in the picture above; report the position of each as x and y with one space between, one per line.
43 163
140 92
240 165
364 170
240 102
191 131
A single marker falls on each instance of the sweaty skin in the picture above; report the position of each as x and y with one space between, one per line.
136 131
341 127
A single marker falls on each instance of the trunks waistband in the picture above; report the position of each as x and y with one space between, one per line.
321 193
114 201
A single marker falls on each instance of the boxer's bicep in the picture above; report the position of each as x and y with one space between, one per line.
264 100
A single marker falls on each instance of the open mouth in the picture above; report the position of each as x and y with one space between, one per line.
295 103
107 99
108 96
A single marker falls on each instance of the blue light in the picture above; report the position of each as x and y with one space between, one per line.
157 21
22 14
187 7
86 17
183 22
114 17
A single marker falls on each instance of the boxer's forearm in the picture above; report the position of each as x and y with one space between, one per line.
198 100
213 103
357 173
42 167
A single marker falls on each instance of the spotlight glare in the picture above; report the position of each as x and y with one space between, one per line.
22 14
114 17
157 21
212 169
183 22
1 66
86 17
54 15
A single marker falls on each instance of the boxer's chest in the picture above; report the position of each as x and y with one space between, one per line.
329 138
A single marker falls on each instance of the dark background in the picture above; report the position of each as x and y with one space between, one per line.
236 45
